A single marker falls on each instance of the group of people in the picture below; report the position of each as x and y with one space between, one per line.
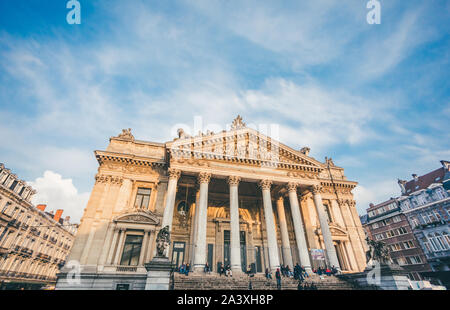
225 270
185 269
326 271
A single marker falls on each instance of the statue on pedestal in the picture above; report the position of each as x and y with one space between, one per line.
162 241
378 252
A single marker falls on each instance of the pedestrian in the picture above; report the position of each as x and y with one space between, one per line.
268 274
278 277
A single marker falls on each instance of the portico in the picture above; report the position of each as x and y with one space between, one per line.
237 198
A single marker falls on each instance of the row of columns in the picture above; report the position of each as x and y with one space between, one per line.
200 220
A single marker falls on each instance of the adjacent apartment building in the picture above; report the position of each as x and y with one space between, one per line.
425 201
33 243
415 226
386 223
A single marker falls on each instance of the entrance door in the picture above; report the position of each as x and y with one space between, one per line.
210 255
178 254
258 259
226 248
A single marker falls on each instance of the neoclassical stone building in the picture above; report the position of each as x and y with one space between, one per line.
33 243
236 197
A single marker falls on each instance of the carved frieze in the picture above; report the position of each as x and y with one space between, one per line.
103 179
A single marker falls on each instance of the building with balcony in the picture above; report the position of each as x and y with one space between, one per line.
425 201
385 222
33 243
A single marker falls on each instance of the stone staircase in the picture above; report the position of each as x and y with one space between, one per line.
201 281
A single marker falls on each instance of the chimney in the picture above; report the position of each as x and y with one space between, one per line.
41 207
58 214
416 178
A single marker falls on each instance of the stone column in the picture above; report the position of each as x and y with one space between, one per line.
119 247
325 229
235 242
200 250
144 247
274 262
195 223
299 230
286 246
174 175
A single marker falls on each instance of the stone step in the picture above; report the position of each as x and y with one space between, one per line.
196 281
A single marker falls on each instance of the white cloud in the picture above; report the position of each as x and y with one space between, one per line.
375 193
59 193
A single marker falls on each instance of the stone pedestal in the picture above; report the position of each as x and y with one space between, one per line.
158 274
382 276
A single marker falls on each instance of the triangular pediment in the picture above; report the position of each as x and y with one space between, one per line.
239 143
138 217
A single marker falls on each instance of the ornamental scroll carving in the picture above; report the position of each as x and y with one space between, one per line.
204 177
103 179
305 175
316 189
174 173
265 184
234 180
291 187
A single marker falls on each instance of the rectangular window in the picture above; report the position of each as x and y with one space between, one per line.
142 198
131 250
397 219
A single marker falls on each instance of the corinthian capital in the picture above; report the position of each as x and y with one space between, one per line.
291 187
234 180
265 184
174 173
204 177
316 189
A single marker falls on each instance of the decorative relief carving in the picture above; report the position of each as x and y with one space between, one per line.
192 162
108 179
234 180
174 173
265 184
301 174
204 177
126 135
316 189
138 216
292 187
237 123
305 150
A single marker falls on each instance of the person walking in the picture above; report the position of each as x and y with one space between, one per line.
187 269
278 277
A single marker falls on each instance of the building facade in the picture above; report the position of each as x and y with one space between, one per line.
425 201
33 243
385 222
236 197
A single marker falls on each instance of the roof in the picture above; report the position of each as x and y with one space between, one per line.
436 176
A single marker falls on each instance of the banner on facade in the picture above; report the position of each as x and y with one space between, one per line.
317 254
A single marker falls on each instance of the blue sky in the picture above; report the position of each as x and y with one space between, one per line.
375 98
